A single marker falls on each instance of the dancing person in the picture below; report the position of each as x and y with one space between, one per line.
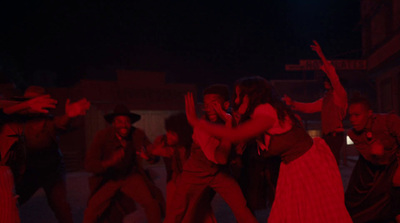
373 193
309 187
174 146
12 149
205 169
44 162
332 106
117 173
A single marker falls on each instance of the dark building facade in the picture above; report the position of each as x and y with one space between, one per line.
380 24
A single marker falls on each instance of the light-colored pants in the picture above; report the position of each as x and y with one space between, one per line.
189 197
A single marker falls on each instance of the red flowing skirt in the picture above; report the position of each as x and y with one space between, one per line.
310 189
8 201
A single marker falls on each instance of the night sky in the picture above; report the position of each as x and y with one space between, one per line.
192 41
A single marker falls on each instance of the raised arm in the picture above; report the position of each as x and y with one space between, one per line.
77 108
311 107
317 48
339 91
39 104
72 110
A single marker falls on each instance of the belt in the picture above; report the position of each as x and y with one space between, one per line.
334 133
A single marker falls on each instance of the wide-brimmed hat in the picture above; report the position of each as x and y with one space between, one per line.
31 92
121 110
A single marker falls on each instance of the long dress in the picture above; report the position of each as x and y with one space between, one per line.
309 187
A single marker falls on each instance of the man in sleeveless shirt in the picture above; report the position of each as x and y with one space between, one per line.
332 106
205 169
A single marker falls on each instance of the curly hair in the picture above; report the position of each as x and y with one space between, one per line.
260 91
219 89
179 124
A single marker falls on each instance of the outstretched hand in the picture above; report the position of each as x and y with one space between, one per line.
41 104
287 100
190 109
160 140
317 48
159 143
77 108
327 66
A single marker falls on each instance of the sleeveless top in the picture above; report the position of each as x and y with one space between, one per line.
284 139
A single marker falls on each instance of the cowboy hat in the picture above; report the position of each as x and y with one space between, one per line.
121 110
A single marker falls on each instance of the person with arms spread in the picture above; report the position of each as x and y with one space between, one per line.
12 149
332 106
206 171
44 161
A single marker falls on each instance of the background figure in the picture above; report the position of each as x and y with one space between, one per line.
12 149
332 106
44 163
119 178
309 187
174 146
373 194
258 177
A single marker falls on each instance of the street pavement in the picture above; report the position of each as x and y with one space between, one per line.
36 209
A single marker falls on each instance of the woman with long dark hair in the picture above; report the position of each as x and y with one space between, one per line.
309 187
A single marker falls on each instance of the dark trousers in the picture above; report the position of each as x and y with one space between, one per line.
370 195
134 187
335 141
52 180
193 186
258 178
